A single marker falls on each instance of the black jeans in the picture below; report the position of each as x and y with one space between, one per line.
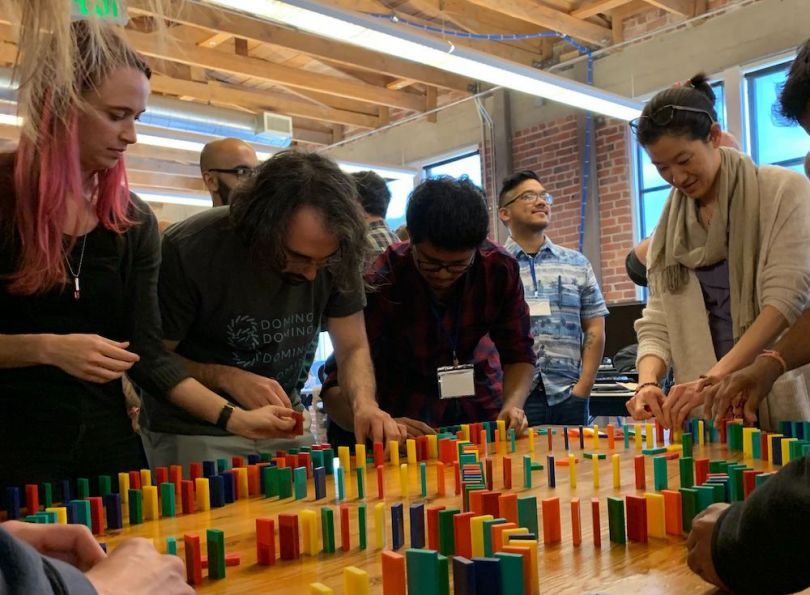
571 412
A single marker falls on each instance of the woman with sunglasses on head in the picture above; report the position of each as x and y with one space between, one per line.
79 258
729 264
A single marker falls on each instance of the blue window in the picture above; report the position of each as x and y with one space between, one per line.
773 141
468 164
652 189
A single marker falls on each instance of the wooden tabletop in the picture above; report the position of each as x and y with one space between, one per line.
656 567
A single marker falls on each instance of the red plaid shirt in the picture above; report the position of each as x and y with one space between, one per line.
408 344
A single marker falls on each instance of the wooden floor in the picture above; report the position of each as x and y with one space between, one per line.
656 567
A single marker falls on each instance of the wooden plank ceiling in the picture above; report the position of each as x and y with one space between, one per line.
332 90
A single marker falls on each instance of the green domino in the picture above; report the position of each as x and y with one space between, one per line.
317 459
300 474
511 573
266 457
423 571
447 540
527 513
527 471
591 455
688 506
718 466
167 507
328 530
443 564
423 478
285 488
756 445
33 518
687 472
361 483
616 520
340 486
686 442
761 478
705 497
718 493
216 553
361 525
626 434
171 546
488 524
270 481
51 517
222 465
47 494
104 485
512 440
82 513
82 488
327 457
135 507
654 451
736 491
660 473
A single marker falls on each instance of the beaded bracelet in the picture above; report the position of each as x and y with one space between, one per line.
773 354
645 385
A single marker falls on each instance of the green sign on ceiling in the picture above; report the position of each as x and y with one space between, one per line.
114 11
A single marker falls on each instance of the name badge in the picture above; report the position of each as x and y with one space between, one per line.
456 381
539 307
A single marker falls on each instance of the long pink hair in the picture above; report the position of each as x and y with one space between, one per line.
47 175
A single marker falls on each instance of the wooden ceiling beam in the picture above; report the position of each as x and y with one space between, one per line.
681 8
593 7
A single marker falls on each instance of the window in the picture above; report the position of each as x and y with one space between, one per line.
400 190
773 141
652 189
468 164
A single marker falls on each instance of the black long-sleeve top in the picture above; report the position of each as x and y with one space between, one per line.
760 545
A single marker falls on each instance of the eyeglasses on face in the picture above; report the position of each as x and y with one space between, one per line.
240 171
663 116
530 196
299 261
434 266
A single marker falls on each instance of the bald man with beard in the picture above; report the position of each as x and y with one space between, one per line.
224 163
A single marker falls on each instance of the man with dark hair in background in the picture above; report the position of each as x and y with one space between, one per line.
243 293
431 301
374 198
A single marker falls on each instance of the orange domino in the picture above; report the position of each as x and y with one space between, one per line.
507 507
552 533
576 521
673 513
477 501
527 561
597 523
507 473
253 480
497 535
611 436
462 533
393 573
440 478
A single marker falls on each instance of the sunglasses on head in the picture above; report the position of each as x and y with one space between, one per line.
663 116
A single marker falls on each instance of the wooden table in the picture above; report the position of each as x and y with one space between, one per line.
656 567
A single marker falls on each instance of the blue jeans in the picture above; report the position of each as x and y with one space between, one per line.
571 412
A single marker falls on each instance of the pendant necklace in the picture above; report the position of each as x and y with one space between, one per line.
75 275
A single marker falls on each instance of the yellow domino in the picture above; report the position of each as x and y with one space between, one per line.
617 471
355 581
319 589
203 495
748 442
595 437
345 461
150 503
379 525
572 470
477 534
507 533
123 488
146 478
393 452
433 446
241 482
410 448
309 531
465 431
359 456
595 463
637 432
403 480
656 524
700 432
61 514
786 450
531 441
501 430
648 431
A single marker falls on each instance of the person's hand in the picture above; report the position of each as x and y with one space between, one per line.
372 423
646 403
699 544
582 389
741 392
413 427
88 357
73 544
252 391
682 398
515 418
270 421
136 567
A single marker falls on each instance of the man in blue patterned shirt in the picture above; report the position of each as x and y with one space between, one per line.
566 306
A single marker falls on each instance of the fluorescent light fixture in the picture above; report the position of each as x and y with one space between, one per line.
389 173
203 201
382 36
10 120
169 143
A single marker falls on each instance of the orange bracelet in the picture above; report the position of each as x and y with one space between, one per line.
773 354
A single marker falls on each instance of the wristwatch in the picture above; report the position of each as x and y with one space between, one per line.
225 416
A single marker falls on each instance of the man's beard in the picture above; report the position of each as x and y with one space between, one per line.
224 192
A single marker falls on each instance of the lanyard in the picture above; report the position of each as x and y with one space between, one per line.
454 335
534 276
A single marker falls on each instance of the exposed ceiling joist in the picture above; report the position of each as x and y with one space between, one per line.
594 7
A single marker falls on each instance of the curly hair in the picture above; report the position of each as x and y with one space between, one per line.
263 207
794 99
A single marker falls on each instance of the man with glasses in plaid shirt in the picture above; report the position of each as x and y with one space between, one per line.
567 308
430 303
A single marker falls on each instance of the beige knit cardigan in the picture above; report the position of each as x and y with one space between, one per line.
675 327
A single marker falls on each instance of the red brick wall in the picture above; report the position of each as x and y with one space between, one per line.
551 150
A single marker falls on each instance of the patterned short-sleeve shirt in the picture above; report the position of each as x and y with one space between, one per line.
563 280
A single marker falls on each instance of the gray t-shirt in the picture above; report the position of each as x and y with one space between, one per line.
223 307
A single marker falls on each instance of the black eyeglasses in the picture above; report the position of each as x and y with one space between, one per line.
433 266
240 171
663 116
531 196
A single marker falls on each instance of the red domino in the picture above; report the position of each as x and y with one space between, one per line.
750 481
440 487
641 479
701 471
193 559
254 486
457 475
230 560
433 527
763 446
345 535
298 429
237 462
194 472
32 498
597 524
176 475
508 508
161 475
490 502
291 461
636 518
97 515
576 520
507 473
305 460
659 433
288 536
552 532
265 542
476 501
380 482
379 454
134 480
550 438
489 477
187 496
